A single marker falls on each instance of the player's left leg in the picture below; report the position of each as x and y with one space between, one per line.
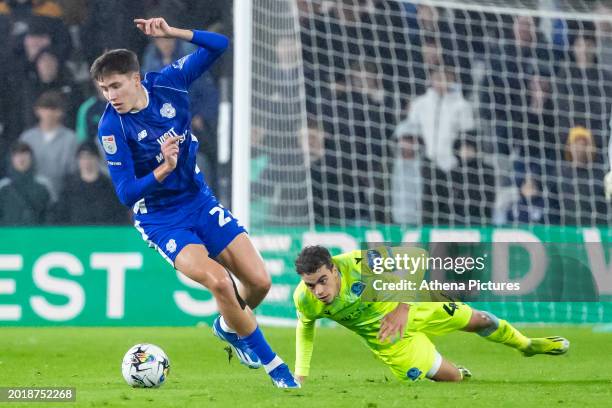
415 357
498 330
245 262
227 242
448 372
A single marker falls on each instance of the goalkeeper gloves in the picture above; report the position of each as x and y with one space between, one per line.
608 185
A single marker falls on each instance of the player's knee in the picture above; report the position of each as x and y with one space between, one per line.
262 283
222 287
218 282
487 324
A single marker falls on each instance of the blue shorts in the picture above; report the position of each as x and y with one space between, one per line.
208 224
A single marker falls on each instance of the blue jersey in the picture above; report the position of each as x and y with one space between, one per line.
132 141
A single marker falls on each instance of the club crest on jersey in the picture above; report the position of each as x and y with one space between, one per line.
109 144
357 288
167 111
171 246
142 134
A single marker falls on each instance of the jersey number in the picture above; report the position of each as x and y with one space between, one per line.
222 220
450 308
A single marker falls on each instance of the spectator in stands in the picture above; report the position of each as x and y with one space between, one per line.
88 116
24 198
530 207
49 74
370 131
433 26
37 17
114 18
329 203
585 91
88 197
581 192
406 179
53 144
442 114
473 183
534 134
511 65
604 34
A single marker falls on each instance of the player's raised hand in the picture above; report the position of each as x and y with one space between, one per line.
170 150
154 27
394 323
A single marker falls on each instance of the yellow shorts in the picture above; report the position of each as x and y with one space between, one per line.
415 356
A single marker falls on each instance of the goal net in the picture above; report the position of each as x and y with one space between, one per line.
369 112
403 114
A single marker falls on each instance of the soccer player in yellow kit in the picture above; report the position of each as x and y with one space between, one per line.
331 287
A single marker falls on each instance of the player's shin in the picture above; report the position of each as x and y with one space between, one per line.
500 331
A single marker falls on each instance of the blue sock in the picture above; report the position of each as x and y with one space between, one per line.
260 346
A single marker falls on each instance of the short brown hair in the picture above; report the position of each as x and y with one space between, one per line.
311 259
120 61
51 100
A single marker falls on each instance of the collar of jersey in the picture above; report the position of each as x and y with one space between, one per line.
146 106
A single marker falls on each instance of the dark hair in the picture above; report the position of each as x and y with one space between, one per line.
21 147
88 147
120 61
311 259
50 100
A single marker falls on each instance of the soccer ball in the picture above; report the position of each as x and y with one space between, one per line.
145 366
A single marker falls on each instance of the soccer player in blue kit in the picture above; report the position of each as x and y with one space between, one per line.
151 156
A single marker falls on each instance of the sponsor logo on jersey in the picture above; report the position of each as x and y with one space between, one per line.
167 111
142 134
113 163
109 144
171 246
172 133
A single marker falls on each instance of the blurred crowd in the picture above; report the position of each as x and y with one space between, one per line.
420 115
416 115
51 171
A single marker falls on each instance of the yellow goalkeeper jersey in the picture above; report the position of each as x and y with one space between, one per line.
347 309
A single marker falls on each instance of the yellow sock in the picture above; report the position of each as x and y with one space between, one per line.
508 335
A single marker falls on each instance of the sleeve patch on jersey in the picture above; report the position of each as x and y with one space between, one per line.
178 64
109 144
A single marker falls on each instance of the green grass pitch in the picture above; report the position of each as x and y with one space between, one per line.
344 372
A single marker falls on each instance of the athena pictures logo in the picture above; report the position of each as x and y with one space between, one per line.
171 246
167 111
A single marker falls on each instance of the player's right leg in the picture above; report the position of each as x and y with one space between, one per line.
193 261
498 330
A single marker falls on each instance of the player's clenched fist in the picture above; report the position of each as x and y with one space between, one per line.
170 150
155 27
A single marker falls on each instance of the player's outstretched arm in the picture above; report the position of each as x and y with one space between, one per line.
183 72
159 28
304 342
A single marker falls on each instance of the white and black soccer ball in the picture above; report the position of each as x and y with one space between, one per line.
145 366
